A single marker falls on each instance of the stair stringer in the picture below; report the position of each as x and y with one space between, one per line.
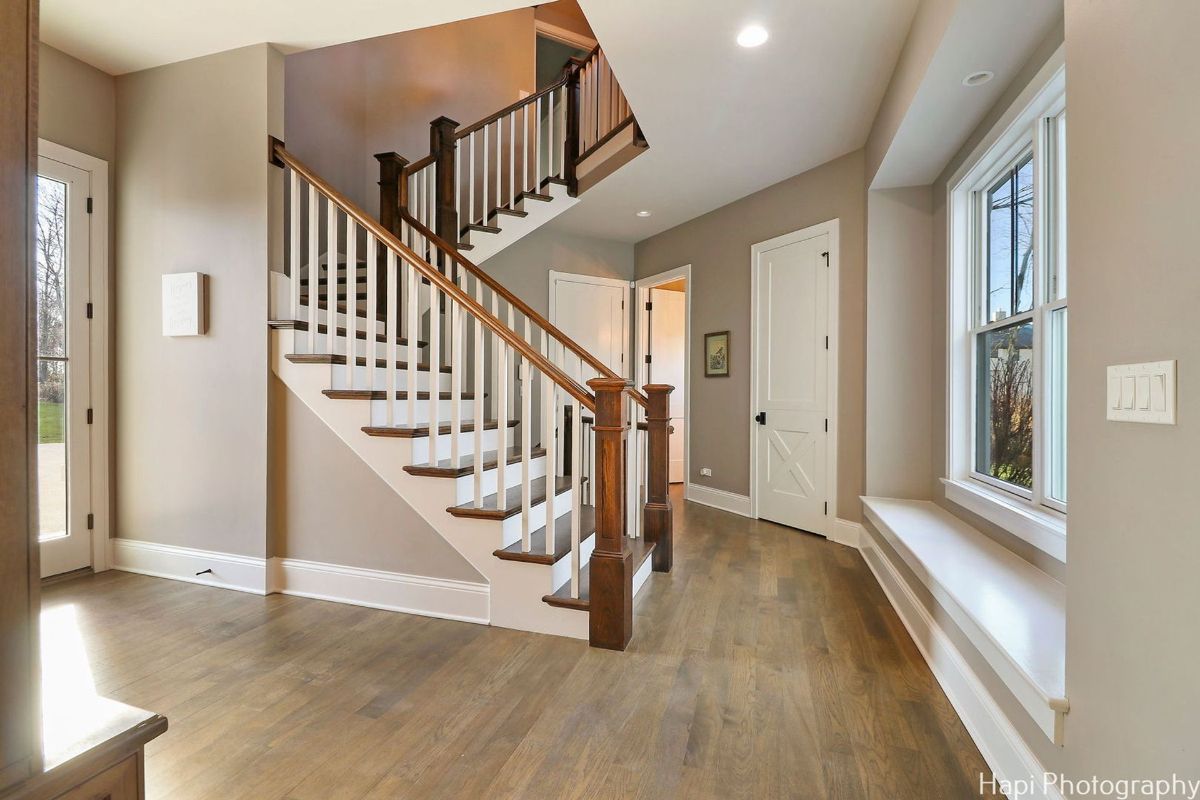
515 588
513 229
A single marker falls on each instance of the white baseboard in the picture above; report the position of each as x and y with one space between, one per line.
1005 752
229 571
843 531
391 591
718 498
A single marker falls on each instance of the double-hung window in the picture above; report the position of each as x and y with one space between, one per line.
1008 318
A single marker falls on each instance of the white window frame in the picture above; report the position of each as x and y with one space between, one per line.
1029 515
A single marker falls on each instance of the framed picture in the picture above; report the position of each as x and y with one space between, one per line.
716 355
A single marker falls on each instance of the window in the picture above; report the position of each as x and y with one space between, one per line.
1008 321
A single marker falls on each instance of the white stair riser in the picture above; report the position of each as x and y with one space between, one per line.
537 517
337 377
421 446
464 485
421 417
560 573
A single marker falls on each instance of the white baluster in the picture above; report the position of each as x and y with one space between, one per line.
526 139
294 241
537 148
576 497
457 190
331 278
456 337
351 299
478 406
512 160
314 258
435 371
550 128
548 444
389 347
414 333
526 423
499 161
372 319
470 180
483 212
502 418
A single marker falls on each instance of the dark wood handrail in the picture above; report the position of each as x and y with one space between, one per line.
280 155
420 164
522 306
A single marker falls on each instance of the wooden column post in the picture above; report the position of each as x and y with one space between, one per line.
441 144
610 623
393 190
658 500
571 151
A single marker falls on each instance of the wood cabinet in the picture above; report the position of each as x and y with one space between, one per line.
121 781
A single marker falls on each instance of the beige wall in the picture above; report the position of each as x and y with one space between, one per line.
346 103
899 338
564 14
191 414
332 508
717 245
1132 592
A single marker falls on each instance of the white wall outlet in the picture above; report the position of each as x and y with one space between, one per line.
183 304
706 472
1142 393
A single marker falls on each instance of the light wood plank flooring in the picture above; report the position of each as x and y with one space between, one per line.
769 664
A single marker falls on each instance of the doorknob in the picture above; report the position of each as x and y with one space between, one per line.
761 418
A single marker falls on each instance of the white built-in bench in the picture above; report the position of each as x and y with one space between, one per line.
1012 612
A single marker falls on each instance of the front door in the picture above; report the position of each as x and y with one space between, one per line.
792 383
63 346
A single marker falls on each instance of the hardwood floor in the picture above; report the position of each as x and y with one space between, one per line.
769 664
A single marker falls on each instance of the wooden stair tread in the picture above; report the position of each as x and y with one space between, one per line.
323 329
466 464
641 550
326 358
475 226
562 539
421 431
491 510
381 394
530 195
508 212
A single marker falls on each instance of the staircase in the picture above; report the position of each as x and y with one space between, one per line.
542 467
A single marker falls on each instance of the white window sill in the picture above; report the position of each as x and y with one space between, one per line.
1044 529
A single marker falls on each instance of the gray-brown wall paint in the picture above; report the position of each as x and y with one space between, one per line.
717 245
332 508
347 102
191 413
1134 544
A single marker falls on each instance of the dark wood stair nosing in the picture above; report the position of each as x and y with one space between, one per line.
381 394
422 431
467 464
562 540
360 361
323 330
537 496
561 597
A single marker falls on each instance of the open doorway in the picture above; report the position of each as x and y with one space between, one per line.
664 351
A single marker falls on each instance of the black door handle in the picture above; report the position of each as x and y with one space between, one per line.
761 418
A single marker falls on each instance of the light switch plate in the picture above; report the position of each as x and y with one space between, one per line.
1142 393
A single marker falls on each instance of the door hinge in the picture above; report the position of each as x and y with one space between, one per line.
91 521
827 508
89 310
89 416
647 358
827 424
649 306
622 305
825 255
826 342
89 205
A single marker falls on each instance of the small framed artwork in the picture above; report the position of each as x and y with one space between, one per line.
716 355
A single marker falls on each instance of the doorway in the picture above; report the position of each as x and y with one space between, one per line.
69 259
793 383
664 352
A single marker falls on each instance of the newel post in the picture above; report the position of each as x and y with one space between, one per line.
658 524
571 150
610 617
393 190
441 144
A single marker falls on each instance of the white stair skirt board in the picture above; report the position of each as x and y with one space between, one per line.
1005 752
512 229
229 571
1022 639
391 591
718 498
845 532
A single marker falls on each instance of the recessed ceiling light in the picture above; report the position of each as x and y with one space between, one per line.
643 213
752 36
978 78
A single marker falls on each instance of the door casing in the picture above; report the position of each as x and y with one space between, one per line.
831 228
642 288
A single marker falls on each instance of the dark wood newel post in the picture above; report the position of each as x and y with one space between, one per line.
571 153
610 617
441 145
393 197
658 500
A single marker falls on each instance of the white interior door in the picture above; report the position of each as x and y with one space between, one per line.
64 390
592 312
792 326
668 327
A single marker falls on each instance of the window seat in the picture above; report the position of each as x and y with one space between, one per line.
1012 612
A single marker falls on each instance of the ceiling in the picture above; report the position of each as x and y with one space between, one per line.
120 36
723 121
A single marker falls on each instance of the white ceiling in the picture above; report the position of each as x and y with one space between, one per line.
981 35
120 36
723 121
